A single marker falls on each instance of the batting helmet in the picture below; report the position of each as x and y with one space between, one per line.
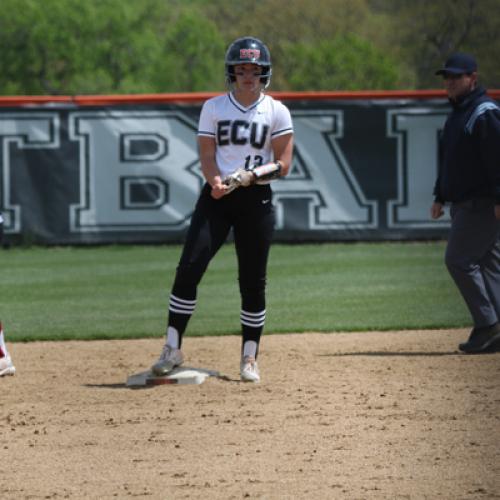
248 50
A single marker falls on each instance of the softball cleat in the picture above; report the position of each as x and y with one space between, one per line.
170 357
249 370
6 366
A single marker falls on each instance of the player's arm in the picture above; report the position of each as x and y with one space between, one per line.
283 151
209 166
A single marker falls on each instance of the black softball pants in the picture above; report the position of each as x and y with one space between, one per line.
250 214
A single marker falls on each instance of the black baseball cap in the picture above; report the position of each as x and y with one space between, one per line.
458 64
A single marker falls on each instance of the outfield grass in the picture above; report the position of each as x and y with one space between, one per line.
122 291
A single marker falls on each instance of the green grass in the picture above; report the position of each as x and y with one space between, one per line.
122 291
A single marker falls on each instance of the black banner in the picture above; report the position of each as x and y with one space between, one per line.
362 170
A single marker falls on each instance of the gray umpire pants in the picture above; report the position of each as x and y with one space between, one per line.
473 258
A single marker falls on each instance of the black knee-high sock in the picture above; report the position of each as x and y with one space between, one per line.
180 311
252 324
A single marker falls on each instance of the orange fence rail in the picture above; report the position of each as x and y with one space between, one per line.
197 97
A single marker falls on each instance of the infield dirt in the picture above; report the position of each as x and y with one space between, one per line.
377 415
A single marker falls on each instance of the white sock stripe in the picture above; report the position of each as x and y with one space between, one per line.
253 324
253 319
181 311
250 315
181 302
181 306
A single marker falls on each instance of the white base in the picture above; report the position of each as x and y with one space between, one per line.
180 375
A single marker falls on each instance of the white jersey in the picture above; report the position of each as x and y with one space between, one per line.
243 135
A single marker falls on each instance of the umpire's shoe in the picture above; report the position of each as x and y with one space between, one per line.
482 339
170 357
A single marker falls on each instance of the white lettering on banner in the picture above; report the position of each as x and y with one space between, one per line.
26 131
416 131
139 170
321 183
143 147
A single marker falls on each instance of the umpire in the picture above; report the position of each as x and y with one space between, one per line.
469 179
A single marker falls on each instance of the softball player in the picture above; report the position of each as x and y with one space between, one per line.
6 365
245 140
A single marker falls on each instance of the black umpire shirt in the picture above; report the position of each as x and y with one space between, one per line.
469 163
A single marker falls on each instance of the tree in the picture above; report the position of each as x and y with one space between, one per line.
425 33
40 51
107 46
67 46
192 56
285 25
130 46
346 62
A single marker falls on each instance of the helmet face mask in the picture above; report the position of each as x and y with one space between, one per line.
248 50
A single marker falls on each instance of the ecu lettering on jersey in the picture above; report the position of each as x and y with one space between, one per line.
243 133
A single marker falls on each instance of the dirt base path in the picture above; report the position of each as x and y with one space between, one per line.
364 416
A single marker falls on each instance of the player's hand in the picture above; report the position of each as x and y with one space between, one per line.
437 210
245 177
240 177
219 189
